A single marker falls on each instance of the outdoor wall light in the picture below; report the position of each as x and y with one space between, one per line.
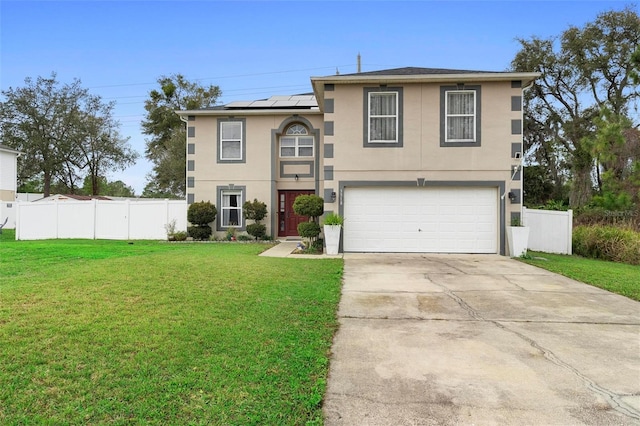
297 177
333 197
512 196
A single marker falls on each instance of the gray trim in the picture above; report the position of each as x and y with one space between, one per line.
191 148
516 103
518 175
516 147
243 197
243 143
518 196
365 117
191 182
328 150
328 128
412 183
191 118
443 120
191 198
296 163
328 172
327 195
516 84
191 165
329 87
275 152
328 106
191 131
516 127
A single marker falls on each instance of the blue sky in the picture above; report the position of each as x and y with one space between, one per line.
253 50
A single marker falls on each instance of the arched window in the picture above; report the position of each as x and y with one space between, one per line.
296 142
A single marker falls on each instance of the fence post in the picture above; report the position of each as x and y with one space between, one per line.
17 220
95 214
570 232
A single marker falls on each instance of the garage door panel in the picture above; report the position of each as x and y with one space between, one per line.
455 220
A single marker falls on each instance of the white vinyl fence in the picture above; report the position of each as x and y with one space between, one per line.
8 211
99 219
550 231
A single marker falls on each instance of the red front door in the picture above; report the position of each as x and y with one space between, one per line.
287 219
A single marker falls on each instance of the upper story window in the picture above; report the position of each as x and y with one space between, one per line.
296 142
383 117
231 141
460 116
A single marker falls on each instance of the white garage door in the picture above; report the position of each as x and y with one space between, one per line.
421 220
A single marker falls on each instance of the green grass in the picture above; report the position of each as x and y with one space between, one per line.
618 278
106 332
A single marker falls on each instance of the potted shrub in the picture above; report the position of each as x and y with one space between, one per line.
517 238
332 228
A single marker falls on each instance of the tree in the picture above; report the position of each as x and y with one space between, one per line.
583 70
166 146
62 131
101 148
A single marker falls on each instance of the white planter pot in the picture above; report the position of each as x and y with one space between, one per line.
332 238
518 239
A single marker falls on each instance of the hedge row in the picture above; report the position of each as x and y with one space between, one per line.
607 243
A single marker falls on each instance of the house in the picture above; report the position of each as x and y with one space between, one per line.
8 185
415 159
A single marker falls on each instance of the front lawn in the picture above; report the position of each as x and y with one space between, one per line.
95 332
615 277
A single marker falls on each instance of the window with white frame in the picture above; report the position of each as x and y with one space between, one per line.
231 140
383 117
460 116
296 142
231 213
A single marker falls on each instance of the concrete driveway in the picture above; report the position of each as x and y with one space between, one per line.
479 339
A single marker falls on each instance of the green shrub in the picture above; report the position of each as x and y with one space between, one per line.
254 210
257 230
244 237
607 243
201 213
180 236
200 233
308 205
333 219
309 230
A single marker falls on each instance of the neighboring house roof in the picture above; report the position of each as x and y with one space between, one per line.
62 197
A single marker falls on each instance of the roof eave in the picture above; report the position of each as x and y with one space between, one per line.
319 82
249 111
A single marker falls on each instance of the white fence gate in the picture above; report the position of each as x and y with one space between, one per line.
550 231
99 219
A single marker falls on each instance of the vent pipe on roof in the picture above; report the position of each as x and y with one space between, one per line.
359 62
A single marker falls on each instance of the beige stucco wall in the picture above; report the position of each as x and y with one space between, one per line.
260 173
6 195
421 156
